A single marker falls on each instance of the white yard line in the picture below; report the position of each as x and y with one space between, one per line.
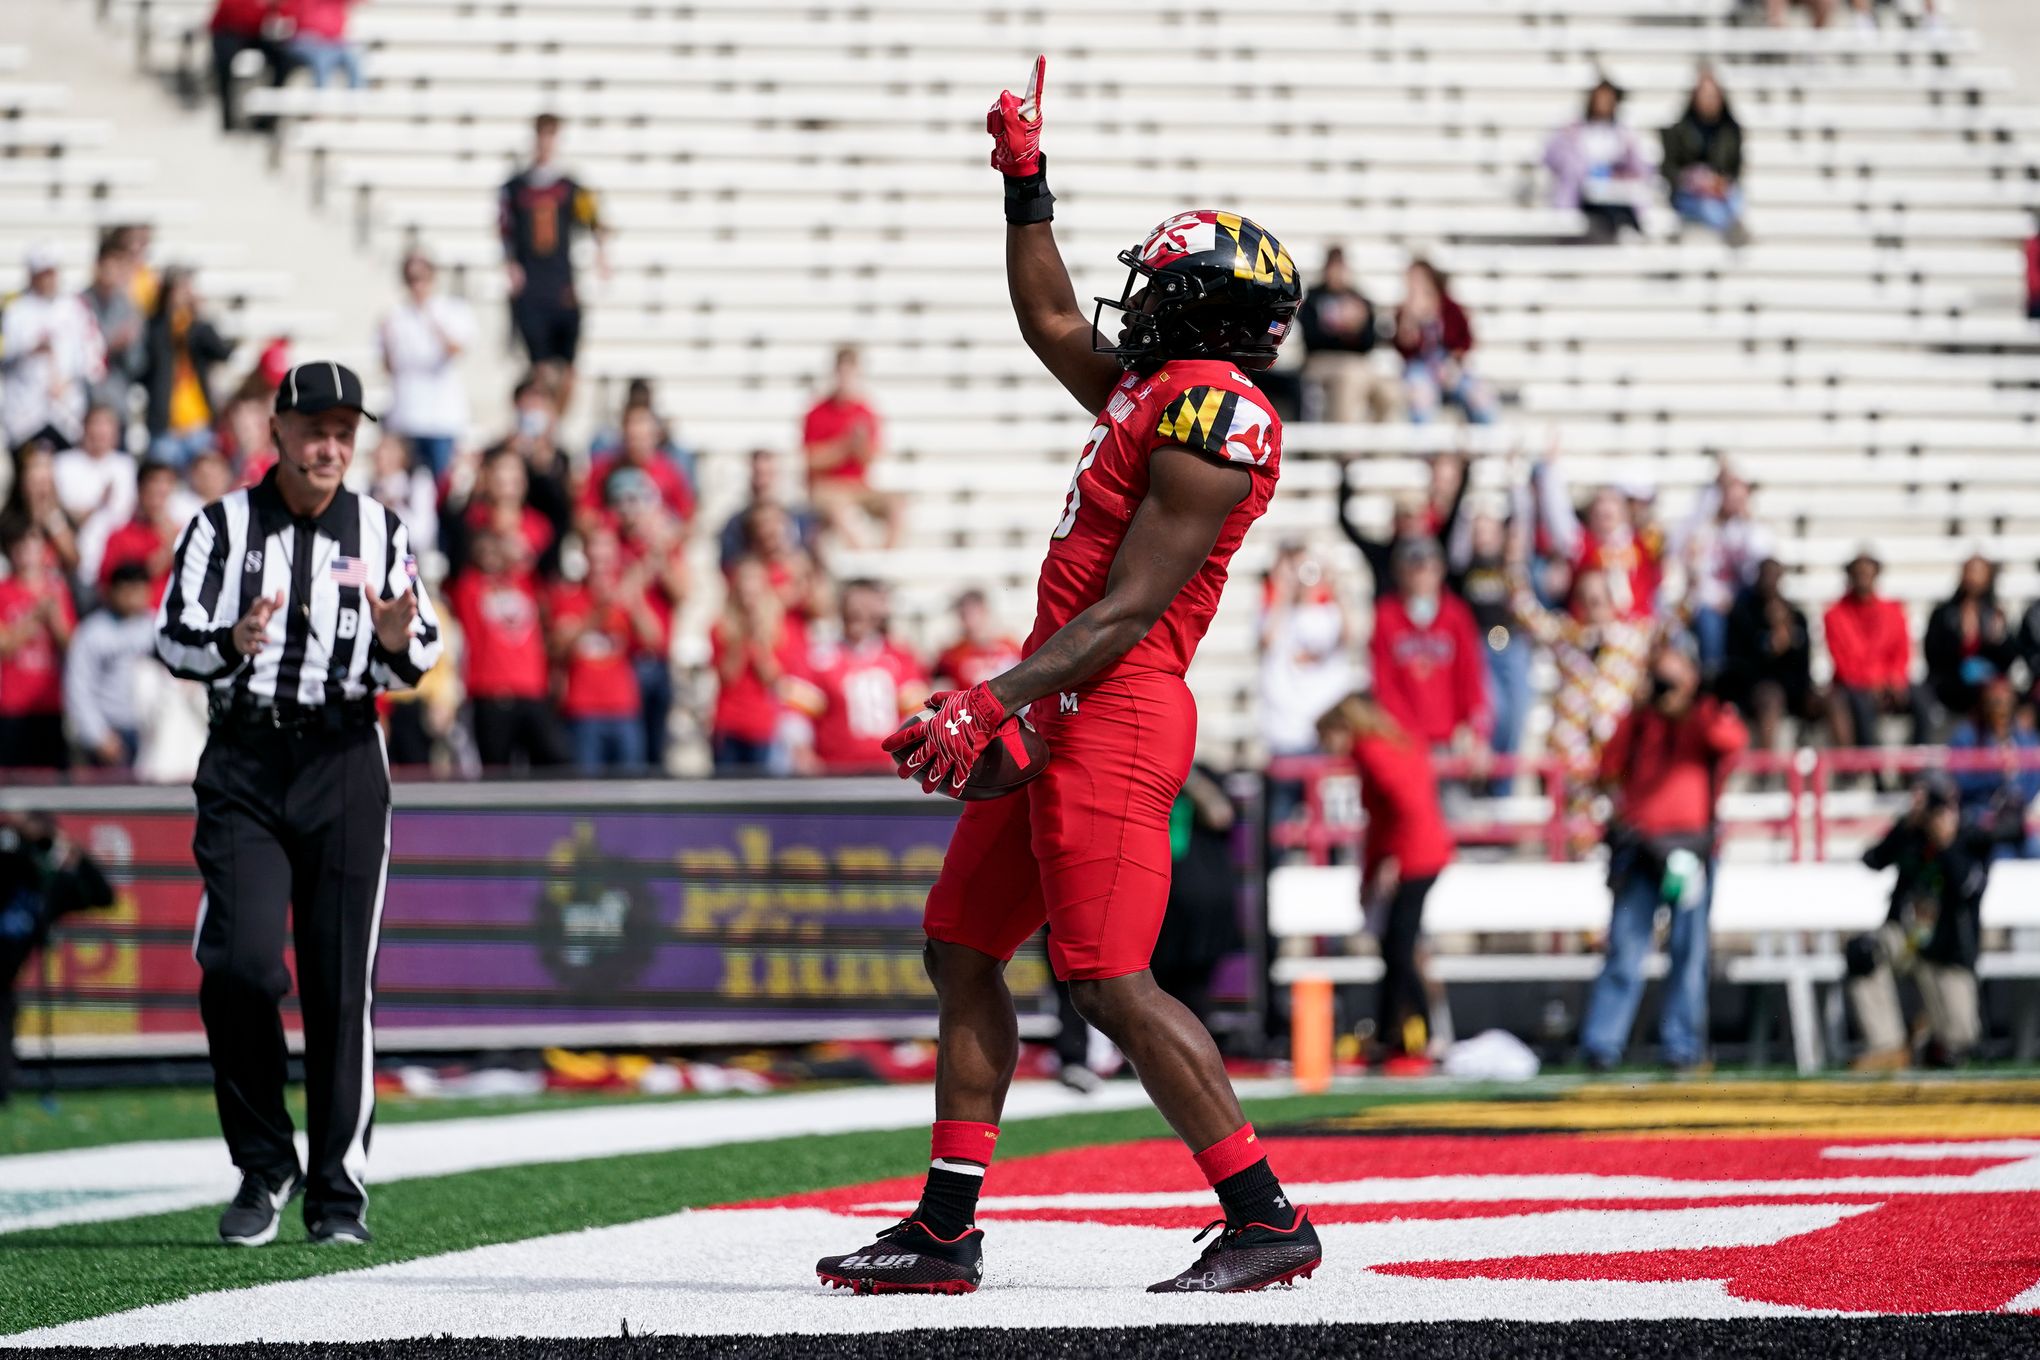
47 1189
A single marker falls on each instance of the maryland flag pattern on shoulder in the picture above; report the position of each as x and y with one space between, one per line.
1223 424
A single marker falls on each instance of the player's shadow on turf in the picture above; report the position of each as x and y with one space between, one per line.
553 1284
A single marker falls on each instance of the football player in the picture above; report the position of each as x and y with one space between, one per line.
1182 458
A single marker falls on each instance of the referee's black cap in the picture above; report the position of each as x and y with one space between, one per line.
321 386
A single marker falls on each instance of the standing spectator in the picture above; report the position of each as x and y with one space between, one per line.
1340 331
653 544
539 211
50 355
245 440
1870 644
548 468
981 650
36 620
1428 671
1415 516
767 488
1768 670
33 499
639 458
796 576
183 349
1597 166
99 671
1305 640
841 438
1664 769
407 488
239 26
95 484
1703 162
136 241
110 300
2000 797
503 644
1435 340
594 624
1478 570
1607 540
755 646
422 339
639 395
149 539
856 689
497 500
2033 273
1407 846
1969 642
318 40
1721 544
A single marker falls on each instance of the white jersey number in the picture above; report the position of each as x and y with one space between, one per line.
1076 499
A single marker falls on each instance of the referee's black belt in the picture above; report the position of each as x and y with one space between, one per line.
242 714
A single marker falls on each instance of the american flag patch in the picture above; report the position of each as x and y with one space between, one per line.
411 568
350 571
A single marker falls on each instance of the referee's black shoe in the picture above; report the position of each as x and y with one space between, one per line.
338 1230
250 1221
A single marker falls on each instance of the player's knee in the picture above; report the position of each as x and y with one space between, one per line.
1109 1004
952 966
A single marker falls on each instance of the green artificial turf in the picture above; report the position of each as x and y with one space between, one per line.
54 1275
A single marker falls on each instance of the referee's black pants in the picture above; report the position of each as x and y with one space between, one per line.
296 820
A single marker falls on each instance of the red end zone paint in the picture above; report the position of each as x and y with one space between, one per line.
1941 1247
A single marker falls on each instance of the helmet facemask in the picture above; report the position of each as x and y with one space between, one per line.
1168 314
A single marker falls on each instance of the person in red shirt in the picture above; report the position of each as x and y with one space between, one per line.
1664 767
150 538
980 651
755 646
1429 669
855 690
318 40
641 455
1870 643
653 546
36 621
1406 847
496 603
841 437
594 625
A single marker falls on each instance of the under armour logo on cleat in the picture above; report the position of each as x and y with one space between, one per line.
1281 1203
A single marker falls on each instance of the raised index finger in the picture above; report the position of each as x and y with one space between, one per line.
1030 103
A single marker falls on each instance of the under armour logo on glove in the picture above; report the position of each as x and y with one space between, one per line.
944 750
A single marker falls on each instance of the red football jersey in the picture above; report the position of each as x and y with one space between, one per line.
1203 404
968 663
856 697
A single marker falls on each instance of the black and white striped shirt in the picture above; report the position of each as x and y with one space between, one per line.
321 646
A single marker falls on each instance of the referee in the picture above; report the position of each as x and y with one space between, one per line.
295 601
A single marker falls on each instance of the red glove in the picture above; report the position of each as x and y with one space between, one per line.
943 751
1015 125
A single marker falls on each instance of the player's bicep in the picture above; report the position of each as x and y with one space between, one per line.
1172 533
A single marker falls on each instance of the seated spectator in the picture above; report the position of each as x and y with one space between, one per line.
183 348
855 689
1415 516
1608 539
99 671
840 437
110 300
2000 797
767 488
1429 673
1340 331
422 340
981 650
755 646
504 655
1768 667
150 538
33 499
318 40
407 488
641 456
36 620
1435 340
594 624
1597 166
239 26
639 395
1821 11
95 485
50 355
653 544
1305 638
1721 544
1703 162
1968 642
1870 644
803 587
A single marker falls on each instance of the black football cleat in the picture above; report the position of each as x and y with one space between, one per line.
908 1259
250 1221
338 1229
1253 1256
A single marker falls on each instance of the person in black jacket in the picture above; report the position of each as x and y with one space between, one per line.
1969 641
1340 330
1702 161
1768 670
183 348
43 877
1933 932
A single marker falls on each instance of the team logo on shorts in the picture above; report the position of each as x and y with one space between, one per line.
1068 701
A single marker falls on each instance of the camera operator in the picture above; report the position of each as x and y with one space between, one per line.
1663 767
1932 934
42 877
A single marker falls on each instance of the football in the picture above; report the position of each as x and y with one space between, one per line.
1017 754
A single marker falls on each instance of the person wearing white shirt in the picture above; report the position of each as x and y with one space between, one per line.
96 486
50 350
99 671
422 339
